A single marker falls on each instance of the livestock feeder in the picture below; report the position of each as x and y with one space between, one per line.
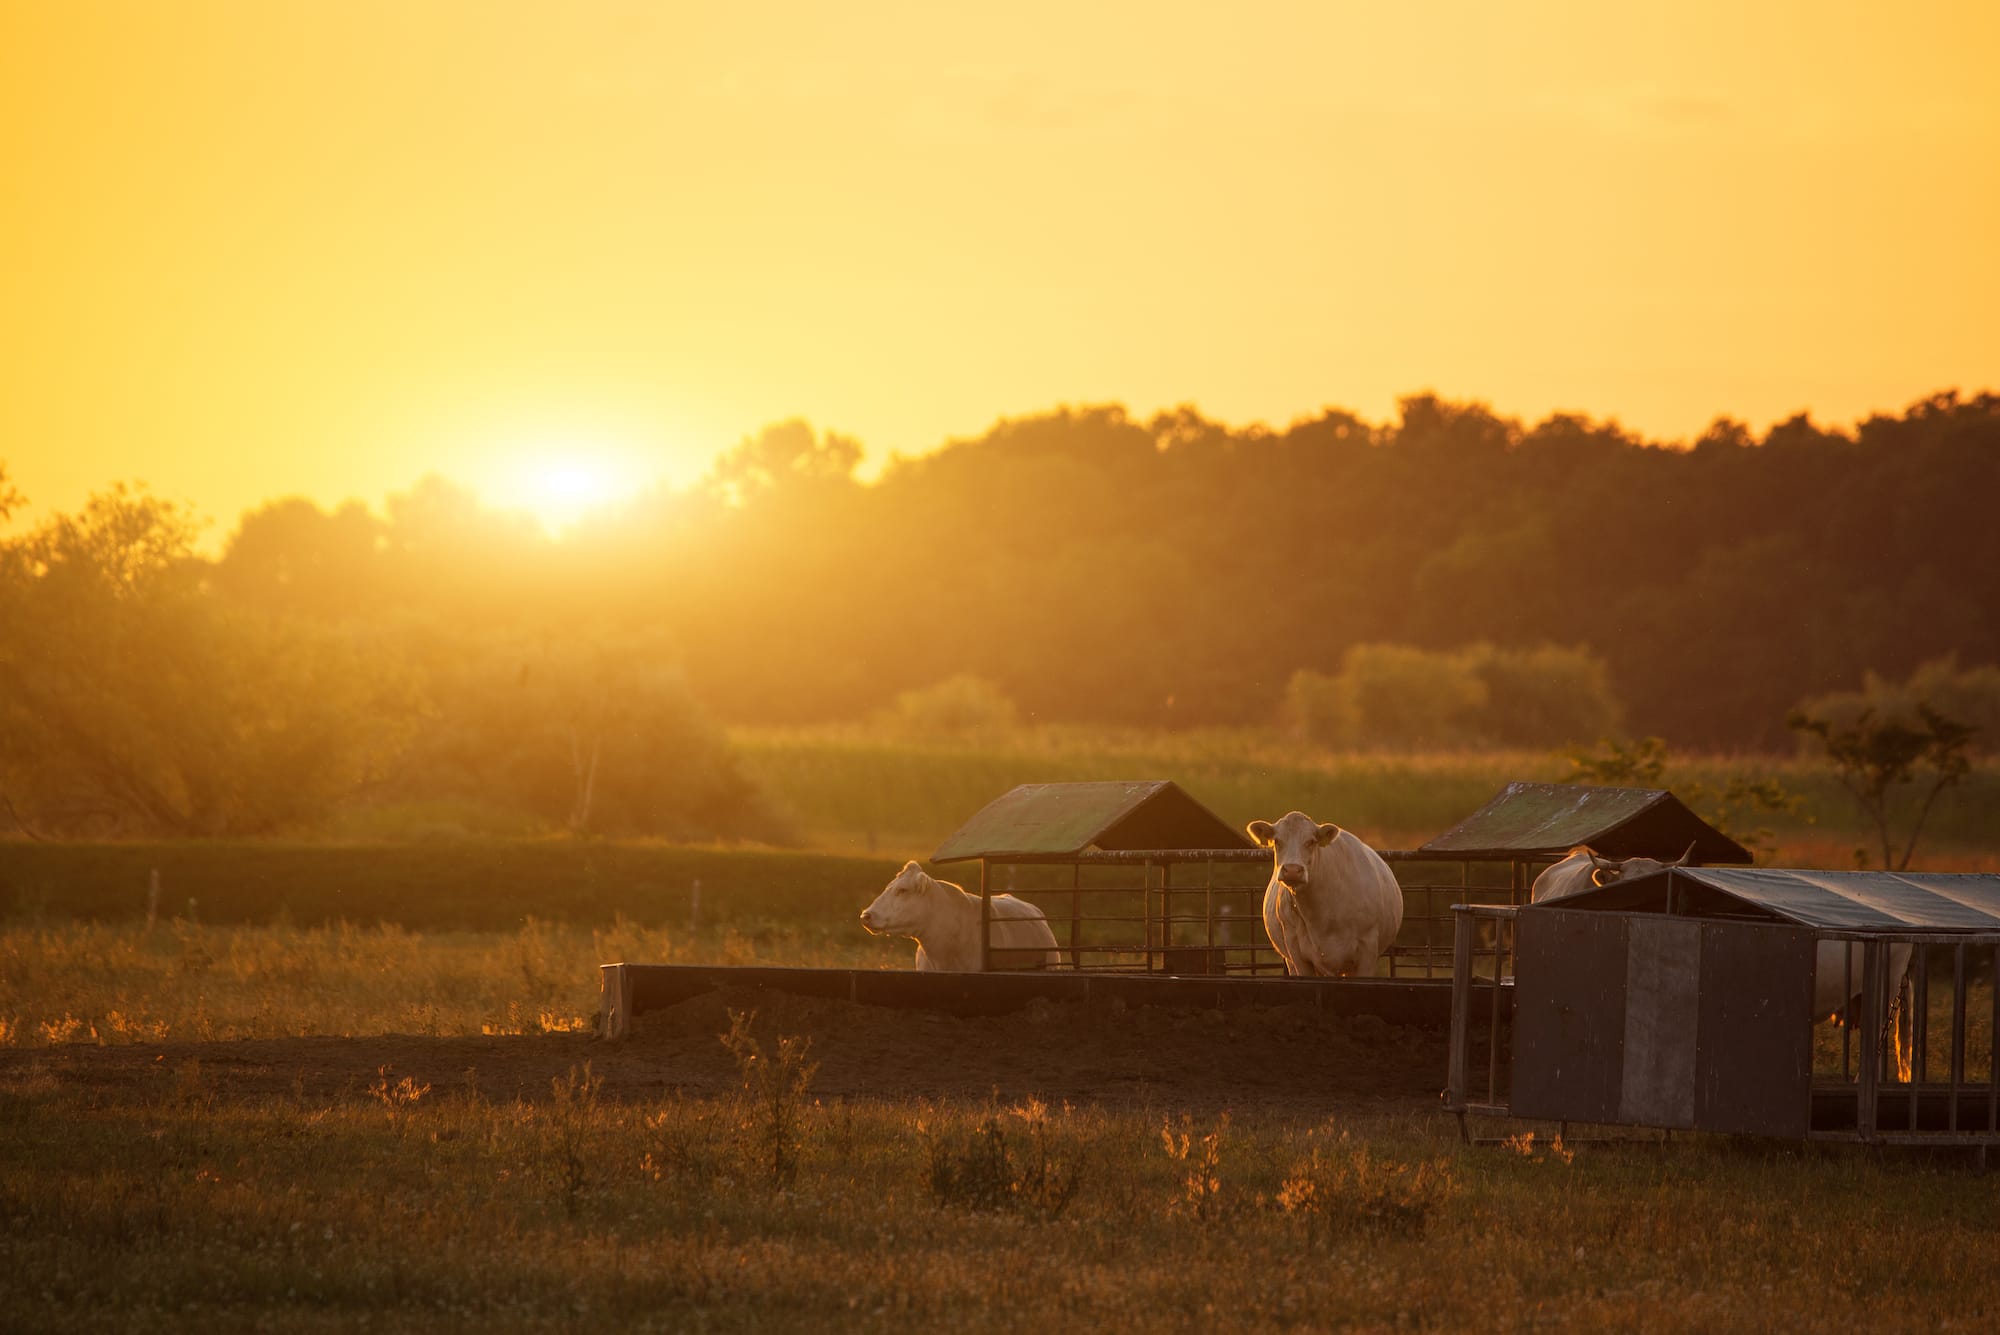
1150 894
1742 1000
1138 877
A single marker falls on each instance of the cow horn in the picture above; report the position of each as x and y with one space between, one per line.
1685 856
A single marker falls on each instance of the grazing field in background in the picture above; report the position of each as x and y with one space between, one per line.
859 790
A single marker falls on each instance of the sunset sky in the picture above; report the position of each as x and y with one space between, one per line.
256 249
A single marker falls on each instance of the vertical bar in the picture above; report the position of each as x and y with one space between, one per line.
1461 1006
1993 1049
1213 962
1957 1031
1918 977
1846 1005
985 920
1920 1013
1871 1042
1493 1026
1076 915
1166 916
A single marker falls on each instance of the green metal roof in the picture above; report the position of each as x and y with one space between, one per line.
1061 818
1532 818
1846 900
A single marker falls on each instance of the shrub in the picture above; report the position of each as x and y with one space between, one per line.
1389 696
1969 695
981 1173
960 706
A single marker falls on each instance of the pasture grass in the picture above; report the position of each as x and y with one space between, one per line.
404 1206
94 982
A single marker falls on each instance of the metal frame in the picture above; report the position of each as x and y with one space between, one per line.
1189 924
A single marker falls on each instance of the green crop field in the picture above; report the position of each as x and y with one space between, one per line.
859 791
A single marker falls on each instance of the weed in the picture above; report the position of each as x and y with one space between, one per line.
1199 1159
982 1174
399 1099
776 1085
572 1106
1347 1189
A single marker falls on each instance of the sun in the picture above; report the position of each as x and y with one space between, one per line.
561 484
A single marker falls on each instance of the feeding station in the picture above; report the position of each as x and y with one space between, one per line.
1701 998
1491 858
1134 876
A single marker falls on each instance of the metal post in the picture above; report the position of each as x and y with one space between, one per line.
1493 1027
1461 1011
1075 915
1871 1043
1213 962
1957 1031
1918 978
1846 1005
985 920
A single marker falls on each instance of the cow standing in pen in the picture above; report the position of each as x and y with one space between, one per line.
1332 906
944 920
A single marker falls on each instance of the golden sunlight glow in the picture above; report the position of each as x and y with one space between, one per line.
251 250
561 483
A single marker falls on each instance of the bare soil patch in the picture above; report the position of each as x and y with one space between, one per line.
1283 1060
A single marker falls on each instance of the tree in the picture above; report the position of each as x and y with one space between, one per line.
1876 756
131 700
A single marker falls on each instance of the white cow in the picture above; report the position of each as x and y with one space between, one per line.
944 920
1583 869
1332 906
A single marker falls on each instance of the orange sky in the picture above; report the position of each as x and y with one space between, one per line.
253 249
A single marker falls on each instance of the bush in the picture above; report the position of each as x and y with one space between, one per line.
1395 697
960 706
1968 695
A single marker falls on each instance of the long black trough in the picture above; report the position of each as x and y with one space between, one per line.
630 990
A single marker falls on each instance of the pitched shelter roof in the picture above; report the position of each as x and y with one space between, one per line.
1846 900
1063 818
1532 818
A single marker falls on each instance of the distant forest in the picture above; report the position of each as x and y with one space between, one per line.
1096 568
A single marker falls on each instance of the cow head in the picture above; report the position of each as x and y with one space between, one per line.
1605 871
902 909
1292 841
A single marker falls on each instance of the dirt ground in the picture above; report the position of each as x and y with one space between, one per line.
1278 1060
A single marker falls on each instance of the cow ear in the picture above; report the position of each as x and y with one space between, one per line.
1326 834
1260 830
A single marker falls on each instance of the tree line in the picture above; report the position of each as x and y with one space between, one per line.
1091 566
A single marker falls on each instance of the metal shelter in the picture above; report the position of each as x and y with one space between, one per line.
1549 819
1137 876
1100 861
1750 1000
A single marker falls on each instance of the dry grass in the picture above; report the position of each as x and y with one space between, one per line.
85 982
447 1208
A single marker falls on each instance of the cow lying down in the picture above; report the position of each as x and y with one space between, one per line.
1833 978
944 920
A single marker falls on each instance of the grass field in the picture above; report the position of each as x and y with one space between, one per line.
169 1202
173 1197
857 791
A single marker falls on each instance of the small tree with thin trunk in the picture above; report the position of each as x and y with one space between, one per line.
1875 757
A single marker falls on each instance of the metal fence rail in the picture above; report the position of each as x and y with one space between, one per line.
1200 911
